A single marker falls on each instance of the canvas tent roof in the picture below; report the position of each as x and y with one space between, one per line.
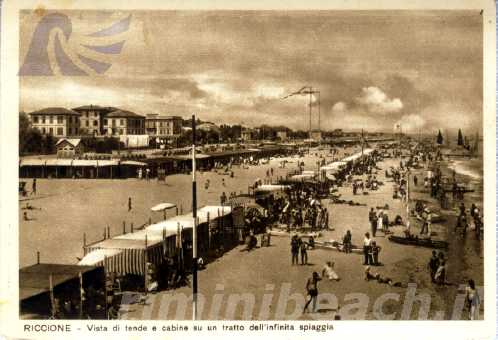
34 280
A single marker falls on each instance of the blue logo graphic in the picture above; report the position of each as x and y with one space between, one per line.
37 61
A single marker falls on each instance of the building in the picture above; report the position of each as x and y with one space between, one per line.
69 148
282 135
56 121
123 122
163 126
316 135
92 119
246 135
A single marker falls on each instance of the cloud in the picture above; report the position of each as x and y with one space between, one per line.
339 107
411 123
376 101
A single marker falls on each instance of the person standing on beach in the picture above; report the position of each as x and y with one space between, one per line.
366 249
433 266
372 217
129 203
380 221
304 252
347 242
473 300
33 188
295 249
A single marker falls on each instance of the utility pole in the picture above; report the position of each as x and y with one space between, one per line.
304 91
194 229
311 94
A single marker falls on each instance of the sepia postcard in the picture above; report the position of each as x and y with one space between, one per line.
216 169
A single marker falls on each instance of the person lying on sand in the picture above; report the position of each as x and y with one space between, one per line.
328 271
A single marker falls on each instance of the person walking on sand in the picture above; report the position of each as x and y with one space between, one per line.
129 203
473 300
312 290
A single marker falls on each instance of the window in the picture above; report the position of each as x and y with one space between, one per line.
60 131
43 119
35 119
43 130
51 119
95 123
105 121
120 131
59 119
51 131
121 122
87 123
70 131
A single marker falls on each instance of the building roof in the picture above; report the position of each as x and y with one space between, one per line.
94 107
55 111
160 117
124 114
73 141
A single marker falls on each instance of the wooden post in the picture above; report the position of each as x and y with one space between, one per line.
209 233
105 285
81 294
105 234
124 227
145 267
177 211
108 232
150 220
37 257
181 209
52 298
132 227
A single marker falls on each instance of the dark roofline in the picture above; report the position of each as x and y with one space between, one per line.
159 117
55 111
124 114
96 108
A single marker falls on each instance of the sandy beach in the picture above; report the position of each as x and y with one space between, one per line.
90 206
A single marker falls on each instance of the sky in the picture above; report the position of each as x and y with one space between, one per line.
374 69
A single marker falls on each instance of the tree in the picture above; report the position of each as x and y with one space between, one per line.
439 139
460 137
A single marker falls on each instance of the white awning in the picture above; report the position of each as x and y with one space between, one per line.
98 255
133 163
272 187
163 206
